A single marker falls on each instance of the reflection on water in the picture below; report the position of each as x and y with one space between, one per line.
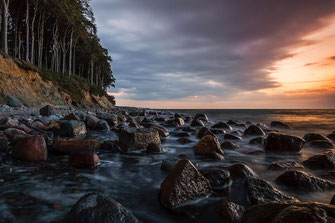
45 191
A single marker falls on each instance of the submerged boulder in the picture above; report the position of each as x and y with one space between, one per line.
208 146
98 208
231 212
77 146
84 160
280 142
183 184
302 181
254 130
137 138
324 160
261 192
31 148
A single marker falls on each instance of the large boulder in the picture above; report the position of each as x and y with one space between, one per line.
72 128
137 138
301 181
47 110
322 144
98 208
320 161
203 132
284 165
155 148
290 212
208 146
314 136
91 121
222 125
111 119
77 146
197 123
102 125
257 141
231 137
261 192
280 142
218 177
183 184
84 160
31 148
241 170
279 125
254 130
202 117
231 212
229 145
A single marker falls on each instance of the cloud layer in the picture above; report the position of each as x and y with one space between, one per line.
169 50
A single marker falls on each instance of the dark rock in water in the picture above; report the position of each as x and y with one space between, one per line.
155 148
328 176
240 125
31 148
218 177
110 146
176 115
134 123
332 201
3 143
202 117
171 123
331 137
279 142
301 181
231 137
72 128
102 125
261 192
254 130
324 160
322 144
237 133
203 132
241 170
180 134
218 131
314 136
15 135
91 121
285 165
185 129
77 146
169 164
222 125
84 160
163 132
98 208
257 141
231 212
197 123
137 139
262 126
279 125
183 184
47 111
231 122
179 121
290 212
229 145
184 140
159 119
208 146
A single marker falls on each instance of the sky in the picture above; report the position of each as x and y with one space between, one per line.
220 53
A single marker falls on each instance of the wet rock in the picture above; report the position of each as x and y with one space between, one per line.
197 123
77 146
163 132
315 136
180 121
254 130
262 126
169 164
110 146
47 110
331 137
257 141
240 170
290 212
15 134
203 132
218 131
134 123
261 192
232 122
171 123
202 117
222 125
183 184
31 148
7 122
218 177
3 143
231 212
240 125
280 142
322 144
285 165
38 125
237 133
111 119
184 140
207 146
102 125
155 148
72 128
98 208
229 145
72 116
91 121
332 201
324 160
159 119
231 137
84 160
279 125
176 115
137 139
301 181
328 176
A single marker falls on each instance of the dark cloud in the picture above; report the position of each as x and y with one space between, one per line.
178 48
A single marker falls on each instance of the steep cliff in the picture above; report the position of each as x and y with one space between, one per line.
21 83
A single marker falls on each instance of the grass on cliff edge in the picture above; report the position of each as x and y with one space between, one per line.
74 85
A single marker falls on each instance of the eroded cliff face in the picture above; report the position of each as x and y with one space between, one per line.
23 85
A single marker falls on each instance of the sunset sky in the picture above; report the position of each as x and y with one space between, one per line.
220 53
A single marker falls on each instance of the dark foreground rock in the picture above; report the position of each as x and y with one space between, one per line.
285 165
208 146
279 142
169 164
261 192
31 148
155 148
84 160
240 170
231 212
254 130
257 141
218 177
303 182
314 136
47 110
99 208
183 184
72 128
321 161
290 212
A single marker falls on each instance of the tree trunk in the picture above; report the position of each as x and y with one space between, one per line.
32 57
70 54
4 27
27 34
40 39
